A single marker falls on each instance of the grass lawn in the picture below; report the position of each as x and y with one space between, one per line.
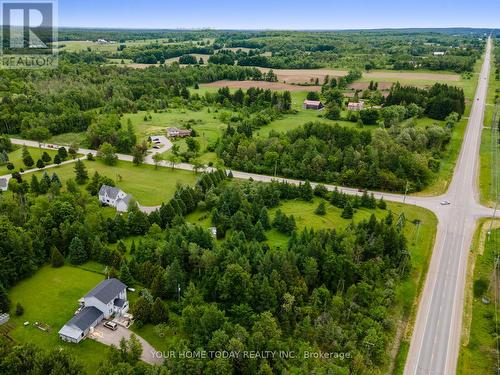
149 186
16 158
67 139
51 297
206 122
478 350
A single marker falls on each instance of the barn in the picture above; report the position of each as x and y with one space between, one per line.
312 104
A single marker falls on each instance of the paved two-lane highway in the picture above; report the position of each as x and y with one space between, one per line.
436 337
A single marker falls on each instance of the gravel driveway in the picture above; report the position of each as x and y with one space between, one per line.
109 337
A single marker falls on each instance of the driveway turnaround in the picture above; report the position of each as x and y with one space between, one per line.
109 337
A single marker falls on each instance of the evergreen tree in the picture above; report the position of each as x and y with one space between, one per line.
19 309
382 204
81 173
321 209
57 159
306 191
348 212
159 312
56 258
121 247
125 275
46 157
63 153
77 253
264 218
40 164
35 185
4 300
54 180
258 232
142 310
28 161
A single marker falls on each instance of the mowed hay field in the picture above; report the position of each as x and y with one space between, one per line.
276 86
299 76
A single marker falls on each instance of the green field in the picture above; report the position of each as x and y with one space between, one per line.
15 157
51 297
149 186
84 45
478 354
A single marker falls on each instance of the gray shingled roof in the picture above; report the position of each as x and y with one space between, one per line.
127 198
3 182
110 191
119 302
107 290
85 318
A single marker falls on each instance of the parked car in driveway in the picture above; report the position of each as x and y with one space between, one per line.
111 325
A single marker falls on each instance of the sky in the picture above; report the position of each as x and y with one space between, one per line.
284 14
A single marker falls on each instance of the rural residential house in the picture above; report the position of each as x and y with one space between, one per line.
178 133
312 104
355 106
107 299
4 184
114 197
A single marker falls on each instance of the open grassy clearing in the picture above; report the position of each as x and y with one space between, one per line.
299 76
205 122
275 86
478 355
51 297
84 45
149 186
198 56
16 158
67 139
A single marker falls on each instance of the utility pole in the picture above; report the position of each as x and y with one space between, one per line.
406 192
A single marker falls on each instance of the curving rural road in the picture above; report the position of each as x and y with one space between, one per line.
436 338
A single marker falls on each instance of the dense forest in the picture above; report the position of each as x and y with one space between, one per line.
238 293
38 104
401 50
386 49
384 159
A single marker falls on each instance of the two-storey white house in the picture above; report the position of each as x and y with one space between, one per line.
107 299
114 197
